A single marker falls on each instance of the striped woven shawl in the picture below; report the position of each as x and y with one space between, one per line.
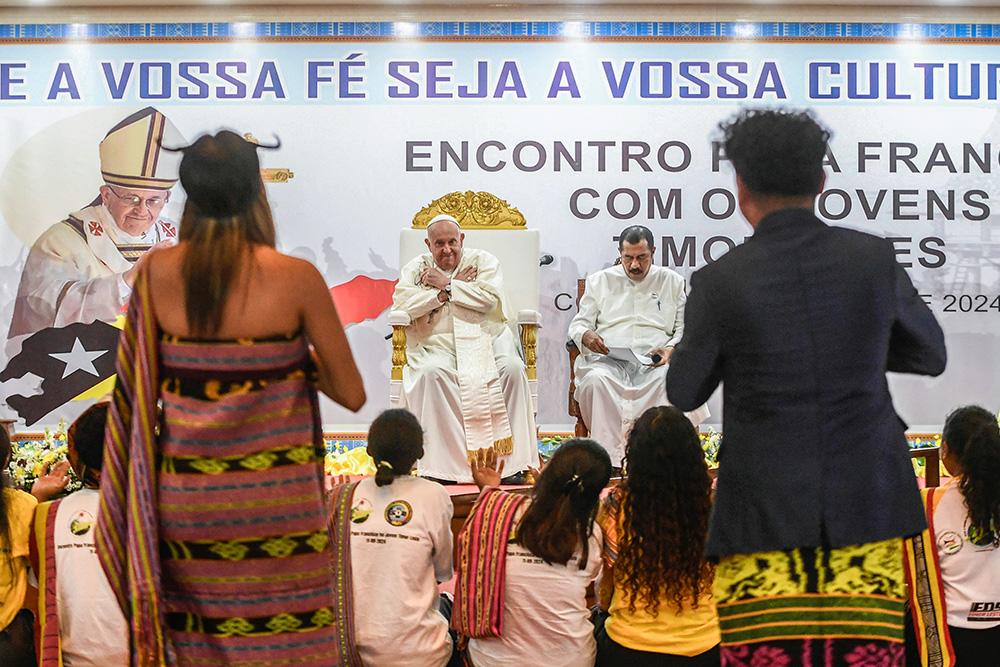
923 578
340 525
482 558
126 534
44 550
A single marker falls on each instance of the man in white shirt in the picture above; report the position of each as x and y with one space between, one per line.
464 378
633 306
82 269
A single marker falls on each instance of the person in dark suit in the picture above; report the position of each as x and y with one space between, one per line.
815 490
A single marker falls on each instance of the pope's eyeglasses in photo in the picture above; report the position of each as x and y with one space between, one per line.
135 200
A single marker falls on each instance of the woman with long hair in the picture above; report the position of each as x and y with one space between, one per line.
656 585
532 582
400 549
213 528
964 534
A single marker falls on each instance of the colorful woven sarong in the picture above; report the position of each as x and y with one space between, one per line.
813 606
244 530
482 564
228 539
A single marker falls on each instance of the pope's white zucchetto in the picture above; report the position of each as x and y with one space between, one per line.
442 216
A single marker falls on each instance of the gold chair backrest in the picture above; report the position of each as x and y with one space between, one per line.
473 210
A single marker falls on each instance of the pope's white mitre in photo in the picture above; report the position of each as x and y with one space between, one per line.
132 154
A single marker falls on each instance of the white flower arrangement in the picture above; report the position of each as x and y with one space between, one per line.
344 461
30 459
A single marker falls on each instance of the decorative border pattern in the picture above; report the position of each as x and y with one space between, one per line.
360 30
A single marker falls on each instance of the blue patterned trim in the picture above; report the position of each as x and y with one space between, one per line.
500 29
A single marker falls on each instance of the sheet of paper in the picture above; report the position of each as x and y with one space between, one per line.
626 354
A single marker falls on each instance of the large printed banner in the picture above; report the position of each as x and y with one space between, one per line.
583 134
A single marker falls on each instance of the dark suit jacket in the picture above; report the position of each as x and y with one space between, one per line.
800 324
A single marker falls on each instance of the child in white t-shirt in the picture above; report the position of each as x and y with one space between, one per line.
79 617
551 558
401 547
966 522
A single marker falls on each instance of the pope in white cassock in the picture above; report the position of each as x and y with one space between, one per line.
464 379
636 306
82 269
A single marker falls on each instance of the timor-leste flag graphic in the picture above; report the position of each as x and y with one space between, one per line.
362 298
77 362
70 360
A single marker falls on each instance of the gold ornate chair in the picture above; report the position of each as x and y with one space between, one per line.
489 223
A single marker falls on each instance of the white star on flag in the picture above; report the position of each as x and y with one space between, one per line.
78 359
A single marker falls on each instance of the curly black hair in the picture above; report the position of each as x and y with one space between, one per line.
972 435
776 151
564 504
666 502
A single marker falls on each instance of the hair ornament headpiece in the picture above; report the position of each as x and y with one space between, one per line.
221 173
574 481
247 137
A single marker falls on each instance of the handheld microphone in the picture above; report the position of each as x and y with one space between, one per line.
656 357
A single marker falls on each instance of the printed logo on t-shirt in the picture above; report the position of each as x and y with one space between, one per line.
398 513
983 539
984 611
361 511
81 523
950 542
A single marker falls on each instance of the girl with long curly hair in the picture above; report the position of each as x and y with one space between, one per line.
656 585
964 519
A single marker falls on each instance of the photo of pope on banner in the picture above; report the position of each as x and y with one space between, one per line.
82 269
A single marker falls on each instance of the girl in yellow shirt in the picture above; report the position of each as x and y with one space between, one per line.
656 585
17 508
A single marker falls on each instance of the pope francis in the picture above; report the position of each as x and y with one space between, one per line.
464 379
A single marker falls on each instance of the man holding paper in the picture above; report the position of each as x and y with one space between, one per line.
631 317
